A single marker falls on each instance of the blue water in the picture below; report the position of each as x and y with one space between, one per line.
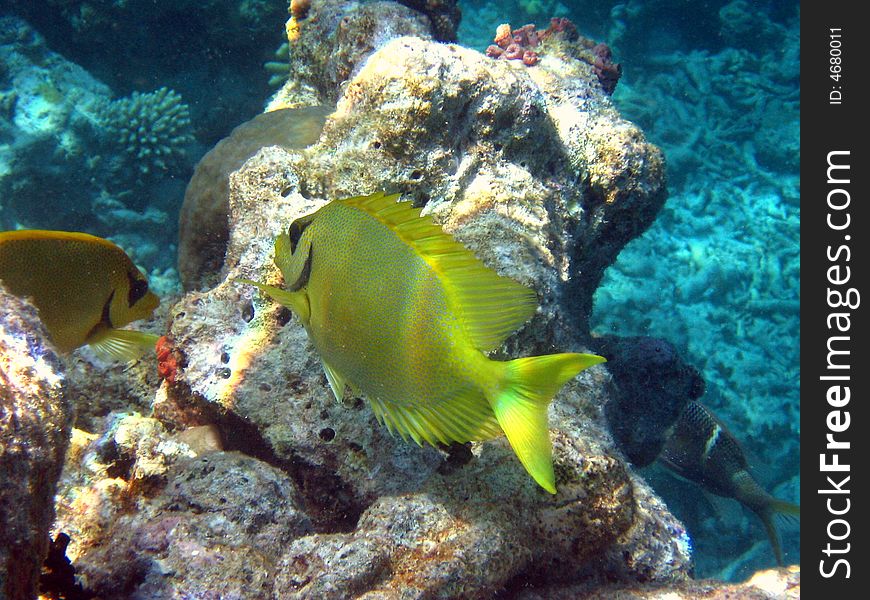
713 83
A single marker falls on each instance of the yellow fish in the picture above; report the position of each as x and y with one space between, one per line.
83 286
403 313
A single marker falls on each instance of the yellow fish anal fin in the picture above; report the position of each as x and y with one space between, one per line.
490 306
520 404
462 418
122 344
336 382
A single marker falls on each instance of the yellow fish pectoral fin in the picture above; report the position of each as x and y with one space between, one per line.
520 405
122 344
295 301
336 382
463 417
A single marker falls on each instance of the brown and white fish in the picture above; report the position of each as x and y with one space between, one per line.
702 450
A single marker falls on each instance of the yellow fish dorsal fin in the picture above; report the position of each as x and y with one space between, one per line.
490 306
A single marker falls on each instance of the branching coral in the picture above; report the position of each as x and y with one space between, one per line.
152 129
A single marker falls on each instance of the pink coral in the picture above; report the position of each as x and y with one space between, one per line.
515 44
503 35
521 44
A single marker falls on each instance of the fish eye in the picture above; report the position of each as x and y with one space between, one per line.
138 289
296 229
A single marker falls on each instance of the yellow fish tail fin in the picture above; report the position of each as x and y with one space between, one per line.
122 344
520 405
295 301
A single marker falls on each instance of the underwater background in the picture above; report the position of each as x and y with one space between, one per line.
106 106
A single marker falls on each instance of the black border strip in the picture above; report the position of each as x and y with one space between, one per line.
834 220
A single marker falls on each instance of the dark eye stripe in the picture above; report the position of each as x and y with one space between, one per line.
106 319
296 229
138 289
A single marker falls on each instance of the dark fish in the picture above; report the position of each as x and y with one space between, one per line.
702 450
652 384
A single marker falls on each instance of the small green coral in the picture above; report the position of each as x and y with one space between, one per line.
151 128
279 68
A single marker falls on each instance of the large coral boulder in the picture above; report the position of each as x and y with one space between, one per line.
532 169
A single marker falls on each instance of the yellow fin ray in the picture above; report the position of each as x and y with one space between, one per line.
463 418
489 305
336 381
122 344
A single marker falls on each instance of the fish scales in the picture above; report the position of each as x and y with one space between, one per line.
408 327
403 313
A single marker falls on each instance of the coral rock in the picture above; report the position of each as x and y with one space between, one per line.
538 175
203 226
35 424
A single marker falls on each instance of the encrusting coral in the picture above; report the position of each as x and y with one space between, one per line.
526 43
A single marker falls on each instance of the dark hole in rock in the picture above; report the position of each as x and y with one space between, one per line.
58 578
327 434
457 456
284 316
248 312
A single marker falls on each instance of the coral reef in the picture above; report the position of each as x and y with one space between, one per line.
771 584
730 131
530 167
208 51
333 40
35 423
523 44
718 90
56 148
444 15
340 505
